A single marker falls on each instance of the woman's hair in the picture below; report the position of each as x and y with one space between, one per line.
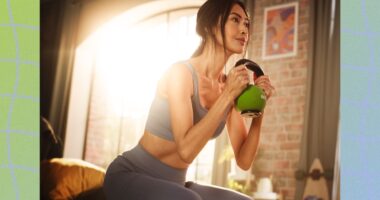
208 17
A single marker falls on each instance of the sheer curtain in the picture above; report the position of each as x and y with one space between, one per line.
322 109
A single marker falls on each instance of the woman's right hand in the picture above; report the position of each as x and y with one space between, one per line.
237 81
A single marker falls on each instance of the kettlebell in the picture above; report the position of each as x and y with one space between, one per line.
252 100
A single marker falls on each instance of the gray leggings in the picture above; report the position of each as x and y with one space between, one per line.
137 175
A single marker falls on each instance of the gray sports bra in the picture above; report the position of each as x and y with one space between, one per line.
158 122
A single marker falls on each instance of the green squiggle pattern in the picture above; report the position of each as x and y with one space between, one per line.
19 99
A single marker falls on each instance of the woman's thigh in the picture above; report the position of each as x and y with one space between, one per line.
135 186
211 192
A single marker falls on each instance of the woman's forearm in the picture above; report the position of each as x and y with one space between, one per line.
197 136
250 145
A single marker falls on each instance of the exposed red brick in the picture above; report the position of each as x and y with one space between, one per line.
289 146
294 137
292 155
281 137
281 164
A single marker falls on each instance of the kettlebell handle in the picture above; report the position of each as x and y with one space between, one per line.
251 65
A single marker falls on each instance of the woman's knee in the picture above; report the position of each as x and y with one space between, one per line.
211 192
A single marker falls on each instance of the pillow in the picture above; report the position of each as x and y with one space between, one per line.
64 178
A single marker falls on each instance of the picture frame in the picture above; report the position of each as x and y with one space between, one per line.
280 31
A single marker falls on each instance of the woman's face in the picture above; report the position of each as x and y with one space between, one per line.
236 31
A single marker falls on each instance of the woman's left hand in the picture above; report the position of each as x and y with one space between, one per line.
264 83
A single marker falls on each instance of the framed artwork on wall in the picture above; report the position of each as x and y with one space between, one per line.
280 31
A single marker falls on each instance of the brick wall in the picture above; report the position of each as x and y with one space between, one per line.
284 115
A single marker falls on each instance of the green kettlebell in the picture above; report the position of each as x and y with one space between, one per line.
251 102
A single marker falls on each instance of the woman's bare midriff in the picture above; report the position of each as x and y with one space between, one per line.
163 150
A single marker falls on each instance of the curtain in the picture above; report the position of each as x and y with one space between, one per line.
322 107
63 68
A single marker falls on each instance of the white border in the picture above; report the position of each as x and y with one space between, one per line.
295 42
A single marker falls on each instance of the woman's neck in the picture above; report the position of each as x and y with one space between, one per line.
211 62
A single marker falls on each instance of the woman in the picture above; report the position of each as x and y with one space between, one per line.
194 100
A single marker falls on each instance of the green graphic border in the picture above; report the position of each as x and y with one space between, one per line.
19 99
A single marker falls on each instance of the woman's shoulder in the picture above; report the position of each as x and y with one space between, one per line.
176 73
180 68
179 74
